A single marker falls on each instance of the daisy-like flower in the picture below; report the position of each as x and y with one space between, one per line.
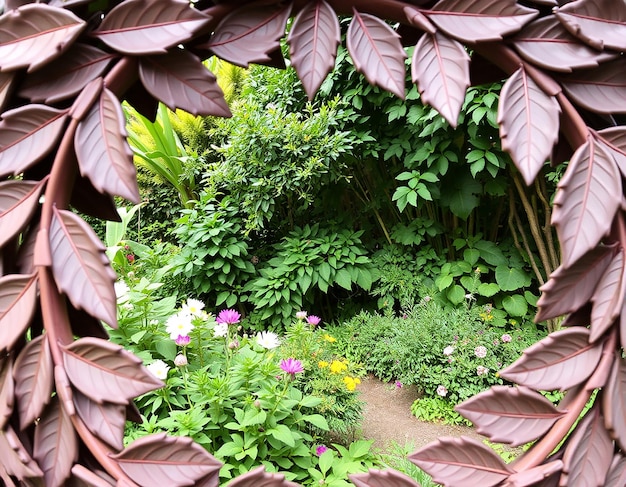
179 325
449 350
220 330
267 339
193 307
313 320
301 315
121 289
480 351
506 338
159 369
228 316
291 366
442 391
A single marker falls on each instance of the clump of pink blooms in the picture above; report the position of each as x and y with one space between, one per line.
291 366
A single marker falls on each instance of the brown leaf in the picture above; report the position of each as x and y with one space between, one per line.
80 266
589 452
382 478
546 43
18 201
615 139
18 300
569 288
84 477
180 80
377 52
608 297
313 40
512 415
7 81
67 76
461 462
529 123
148 27
7 390
540 476
248 34
599 23
614 402
105 372
16 460
586 200
26 255
600 90
560 361
89 201
103 153
480 20
105 420
27 134
440 67
35 34
33 380
617 474
258 477
172 461
56 445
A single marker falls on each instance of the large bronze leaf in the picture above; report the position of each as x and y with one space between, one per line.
18 202
172 461
544 475
105 372
56 445
33 380
513 415
382 478
569 288
259 477
461 462
7 390
560 361
480 20
80 266
600 90
15 458
599 23
529 123
614 402
617 473
440 67
35 34
27 134
608 297
615 139
589 452
105 420
313 40
67 76
249 34
586 200
18 300
7 81
377 52
180 80
103 153
546 43
148 27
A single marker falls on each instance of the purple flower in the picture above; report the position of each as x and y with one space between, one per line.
291 366
228 316
313 320
320 450
399 384
182 340
506 338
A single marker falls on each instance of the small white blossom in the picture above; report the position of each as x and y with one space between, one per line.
442 391
179 324
220 330
480 370
159 369
121 289
128 306
193 307
480 351
301 315
449 350
506 338
267 339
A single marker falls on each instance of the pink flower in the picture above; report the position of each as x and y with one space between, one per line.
313 320
480 351
228 316
180 360
442 391
182 340
399 384
480 370
301 315
291 366
320 450
506 338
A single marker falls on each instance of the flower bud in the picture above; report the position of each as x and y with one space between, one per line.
180 360
234 344
257 404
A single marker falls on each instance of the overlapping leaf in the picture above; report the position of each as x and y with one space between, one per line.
560 361
16 460
544 475
7 390
462 462
70 73
529 123
569 288
56 445
615 139
589 452
27 134
35 34
174 461
104 155
259 477
608 297
599 23
7 81
480 20
587 198
546 43
601 90
180 80
382 478
18 300
105 372
510 415
148 27
617 473
377 52
80 266
440 67
18 201
105 420
34 380
250 33
313 40
614 402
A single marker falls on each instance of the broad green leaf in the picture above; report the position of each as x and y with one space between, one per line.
317 420
515 305
456 294
511 278
490 253
282 433
343 279
326 461
471 256
488 289
442 282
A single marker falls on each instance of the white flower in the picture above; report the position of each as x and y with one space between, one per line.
301 315
159 369
480 351
128 306
193 307
480 370
180 360
220 330
179 324
442 391
448 350
267 339
506 338
121 289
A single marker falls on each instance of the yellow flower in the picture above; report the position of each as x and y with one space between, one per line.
336 367
322 363
329 339
351 382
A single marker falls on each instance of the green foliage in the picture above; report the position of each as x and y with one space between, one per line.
396 458
335 464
